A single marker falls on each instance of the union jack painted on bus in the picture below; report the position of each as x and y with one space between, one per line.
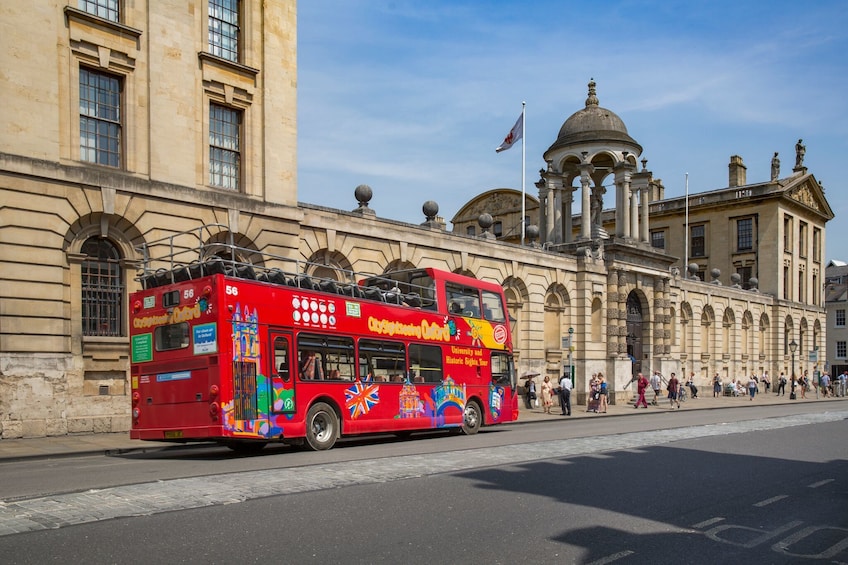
361 397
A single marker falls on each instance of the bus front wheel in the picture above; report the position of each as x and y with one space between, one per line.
322 427
472 419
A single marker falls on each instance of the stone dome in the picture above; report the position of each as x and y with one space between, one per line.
593 124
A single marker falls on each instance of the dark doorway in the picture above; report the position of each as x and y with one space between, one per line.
634 332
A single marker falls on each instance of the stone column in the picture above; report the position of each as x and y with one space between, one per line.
567 206
586 202
659 316
612 313
667 319
634 209
550 211
543 214
646 224
622 208
621 338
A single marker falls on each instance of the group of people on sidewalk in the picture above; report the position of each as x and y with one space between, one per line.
674 389
799 385
562 389
598 399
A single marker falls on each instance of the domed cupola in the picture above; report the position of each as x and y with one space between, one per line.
594 125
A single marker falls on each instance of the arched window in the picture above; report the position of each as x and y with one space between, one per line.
102 289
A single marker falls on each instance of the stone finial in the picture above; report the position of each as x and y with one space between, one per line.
693 271
592 100
735 279
431 211
532 233
715 274
485 221
363 194
753 284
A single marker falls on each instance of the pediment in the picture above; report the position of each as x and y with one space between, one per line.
809 193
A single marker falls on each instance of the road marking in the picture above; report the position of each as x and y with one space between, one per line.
611 558
783 546
706 523
768 501
820 483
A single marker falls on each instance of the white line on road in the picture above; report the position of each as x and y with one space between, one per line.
706 523
768 501
820 483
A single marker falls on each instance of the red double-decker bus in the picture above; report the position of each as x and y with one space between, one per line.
228 346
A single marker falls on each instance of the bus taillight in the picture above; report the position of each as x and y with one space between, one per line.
135 414
213 410
213 391
135 398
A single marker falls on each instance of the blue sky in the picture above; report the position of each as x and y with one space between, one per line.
411 97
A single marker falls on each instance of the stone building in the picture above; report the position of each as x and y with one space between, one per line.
836 304
125 123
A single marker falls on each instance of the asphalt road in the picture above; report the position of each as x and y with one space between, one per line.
673 488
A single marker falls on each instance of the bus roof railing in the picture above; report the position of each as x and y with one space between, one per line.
210 249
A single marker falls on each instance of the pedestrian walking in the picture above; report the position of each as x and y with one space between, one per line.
781 385
656 386
843 383
752 386
565 386
547 394
825 384
641 386
673 385
604 391
766 379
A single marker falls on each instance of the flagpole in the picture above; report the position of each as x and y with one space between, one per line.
686 235
523 167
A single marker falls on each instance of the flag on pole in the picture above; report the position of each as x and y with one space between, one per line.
516 133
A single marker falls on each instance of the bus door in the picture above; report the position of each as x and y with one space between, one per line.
282 372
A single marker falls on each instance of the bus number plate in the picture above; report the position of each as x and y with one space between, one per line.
173 434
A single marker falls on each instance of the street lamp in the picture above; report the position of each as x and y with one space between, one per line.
793 347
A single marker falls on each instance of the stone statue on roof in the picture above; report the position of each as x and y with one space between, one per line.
800 149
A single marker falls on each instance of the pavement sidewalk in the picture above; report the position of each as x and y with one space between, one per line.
116 443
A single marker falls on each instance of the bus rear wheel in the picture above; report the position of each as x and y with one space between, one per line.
322 427
472 418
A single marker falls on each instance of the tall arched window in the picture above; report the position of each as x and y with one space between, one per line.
102 289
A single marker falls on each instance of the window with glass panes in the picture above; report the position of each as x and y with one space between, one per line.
100 118
840 318
698 242
224 147
658 239
840 349
102 289
744 234
106 9
224 30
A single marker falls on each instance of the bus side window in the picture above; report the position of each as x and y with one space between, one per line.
281 358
